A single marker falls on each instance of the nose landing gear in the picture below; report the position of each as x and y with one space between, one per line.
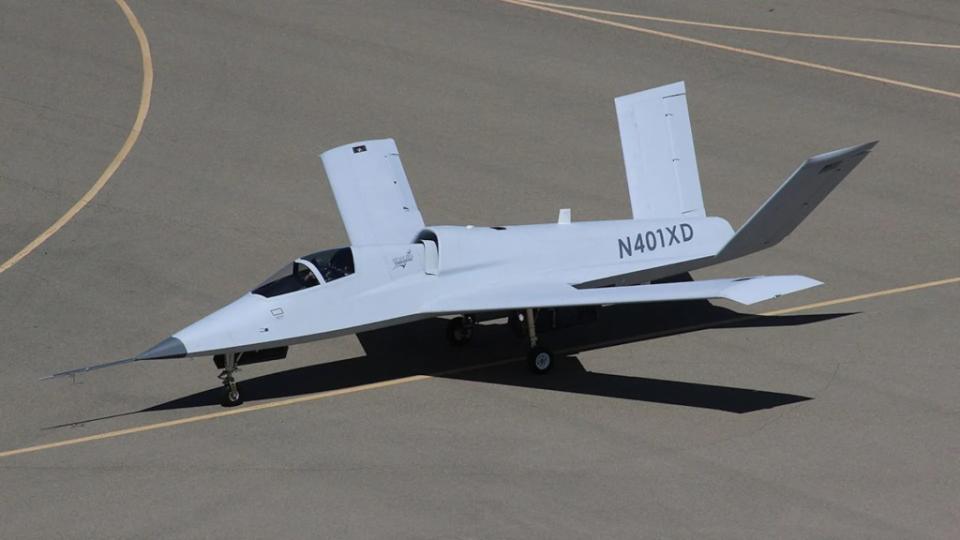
231 389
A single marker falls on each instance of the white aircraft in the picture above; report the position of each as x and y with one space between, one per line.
397 270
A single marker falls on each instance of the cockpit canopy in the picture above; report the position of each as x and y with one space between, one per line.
308 271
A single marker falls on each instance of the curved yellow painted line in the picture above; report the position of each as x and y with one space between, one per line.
738 50
132 137
747 28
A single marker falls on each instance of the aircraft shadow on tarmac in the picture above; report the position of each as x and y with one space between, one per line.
495 355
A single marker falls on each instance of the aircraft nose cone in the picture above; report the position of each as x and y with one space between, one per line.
168 348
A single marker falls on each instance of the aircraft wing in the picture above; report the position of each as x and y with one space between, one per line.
372 193
746 290
658 153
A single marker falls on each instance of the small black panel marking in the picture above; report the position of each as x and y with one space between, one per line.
830 167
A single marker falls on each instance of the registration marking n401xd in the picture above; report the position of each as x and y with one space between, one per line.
660 237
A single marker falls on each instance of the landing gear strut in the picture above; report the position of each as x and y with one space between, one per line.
231 390
539 358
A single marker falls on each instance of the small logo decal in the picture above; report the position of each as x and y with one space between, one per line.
277 312
401 262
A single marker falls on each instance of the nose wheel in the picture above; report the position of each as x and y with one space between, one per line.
231 389
539 358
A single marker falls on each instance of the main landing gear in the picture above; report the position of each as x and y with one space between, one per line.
460 330
231 389
539 358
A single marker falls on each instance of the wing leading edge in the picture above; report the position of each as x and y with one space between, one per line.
372 193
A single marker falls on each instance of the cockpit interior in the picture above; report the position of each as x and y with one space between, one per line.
308 271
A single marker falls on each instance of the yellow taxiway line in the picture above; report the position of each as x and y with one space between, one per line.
866 296
737 50
685 22
146 89
416 378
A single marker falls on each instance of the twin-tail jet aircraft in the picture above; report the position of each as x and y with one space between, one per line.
398 270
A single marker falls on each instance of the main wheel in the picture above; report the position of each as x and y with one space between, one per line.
231 397
460 331
540 360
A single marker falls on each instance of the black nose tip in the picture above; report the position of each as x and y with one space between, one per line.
168 348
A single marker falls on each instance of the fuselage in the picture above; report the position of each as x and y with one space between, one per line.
389 284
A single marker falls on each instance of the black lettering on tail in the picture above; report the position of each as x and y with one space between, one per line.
625 246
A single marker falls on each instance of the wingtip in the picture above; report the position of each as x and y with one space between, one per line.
767 288
809 281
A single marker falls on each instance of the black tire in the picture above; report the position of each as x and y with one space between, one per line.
459 331
540 360
231 398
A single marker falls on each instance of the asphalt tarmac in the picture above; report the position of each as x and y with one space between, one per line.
679 421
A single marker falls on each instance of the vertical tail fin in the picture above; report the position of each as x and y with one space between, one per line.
658 153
